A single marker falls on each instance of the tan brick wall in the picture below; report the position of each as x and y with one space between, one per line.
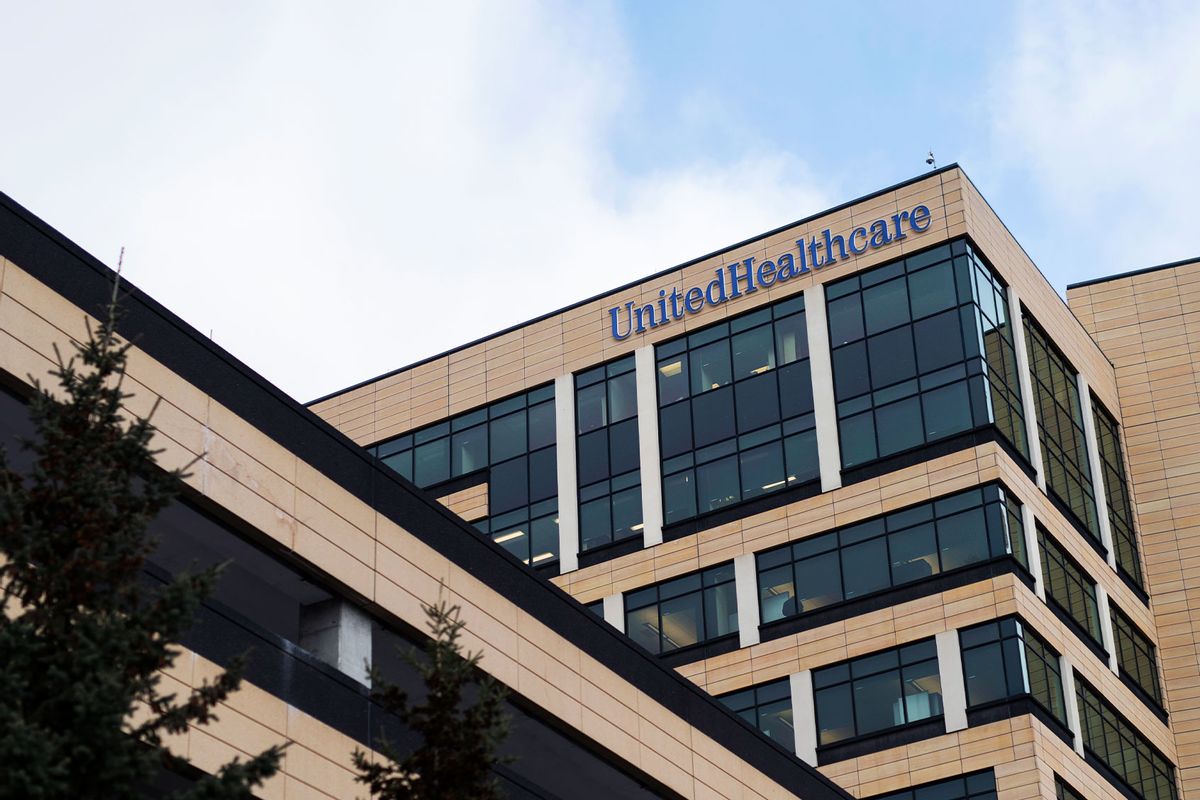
291 503
579 337
1149 325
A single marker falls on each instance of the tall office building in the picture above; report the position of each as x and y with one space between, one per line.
864 479
856 507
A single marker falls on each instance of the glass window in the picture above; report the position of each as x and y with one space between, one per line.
511 444
767 707
1136 763
1060 429
1116 494
877 692
976 786
922 349
607 454
1136 654
900 547
683 611
1003 659
736 399
1069 587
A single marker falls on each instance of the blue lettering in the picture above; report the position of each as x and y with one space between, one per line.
648 311
879 233
693 301
717 283
613 313
854 233
734 291
766 273
899 220
919 215
841 243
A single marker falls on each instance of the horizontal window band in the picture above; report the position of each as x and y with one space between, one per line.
702 650
881 740
741 510
887 598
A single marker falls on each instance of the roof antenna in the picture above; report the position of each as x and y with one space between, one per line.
930 160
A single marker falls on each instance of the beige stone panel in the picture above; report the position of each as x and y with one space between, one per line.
258 512
471 503
347 569
325 775
276 489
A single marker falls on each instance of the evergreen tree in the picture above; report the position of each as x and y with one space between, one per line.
82 639
458 740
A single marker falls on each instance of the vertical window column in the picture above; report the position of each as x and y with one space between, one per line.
804 713
651 463
568 503
1034 551
829 455
1026 384
1093 457
954 688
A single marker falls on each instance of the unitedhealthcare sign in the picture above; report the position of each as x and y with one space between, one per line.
746 276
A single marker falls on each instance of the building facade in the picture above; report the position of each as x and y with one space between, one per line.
867 480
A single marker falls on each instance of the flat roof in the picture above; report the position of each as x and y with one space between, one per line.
1132 272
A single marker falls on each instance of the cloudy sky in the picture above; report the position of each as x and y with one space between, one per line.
312 183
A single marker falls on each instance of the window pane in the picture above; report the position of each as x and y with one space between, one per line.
672 380
795 390
858 439
801 454
679 497
591 408
622 397
845 320
932 290
947 411
776 594
720 610
595 527
432 462
623 446
717 484
939 341
642 627
984 675
682 621
627 513
675 429
762 470
543 475
541 425
835 714
509 486
963 539
899 426
819 583
710 367
753 352
914 554
892 357
757 402
878 703
922 691
713 417
791 339
469 450
850 377
885 305
508 436
866 568
593 457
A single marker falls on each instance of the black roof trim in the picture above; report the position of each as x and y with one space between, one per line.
637 282
1133 272
51 258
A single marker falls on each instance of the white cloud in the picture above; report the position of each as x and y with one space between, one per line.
1098 104
337 192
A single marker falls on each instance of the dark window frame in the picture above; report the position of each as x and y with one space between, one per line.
1031 644
1128 636
984 372
978 785
605 492
1077 577
1064 467
1097 717
782 688
1121 521
908 520
784 445
709 582
517 527
914 649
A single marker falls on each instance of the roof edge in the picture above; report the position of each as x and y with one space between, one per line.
1131 273
631 284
